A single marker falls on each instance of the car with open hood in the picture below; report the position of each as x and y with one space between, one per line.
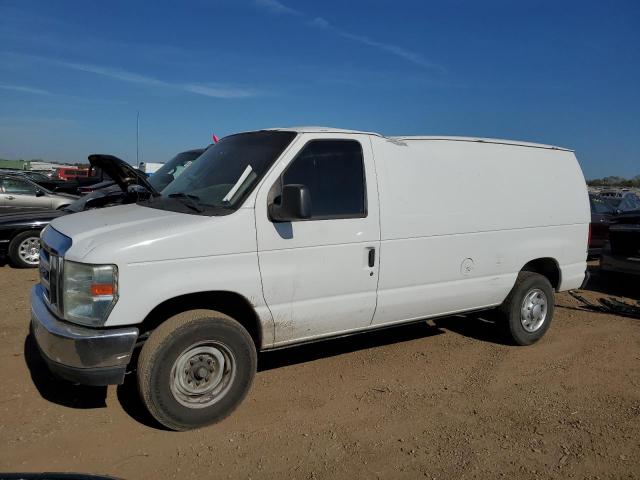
20 228
94 176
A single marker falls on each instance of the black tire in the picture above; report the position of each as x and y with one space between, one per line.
527 283
158 380
61 207
15 245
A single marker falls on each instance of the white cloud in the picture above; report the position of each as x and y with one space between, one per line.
219 91
212 90
276 7
319 22
114 73
393 49
25 89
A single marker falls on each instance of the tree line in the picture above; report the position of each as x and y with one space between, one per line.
615 181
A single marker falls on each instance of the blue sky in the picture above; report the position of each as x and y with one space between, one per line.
73 74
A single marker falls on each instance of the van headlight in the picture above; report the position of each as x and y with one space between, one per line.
90 292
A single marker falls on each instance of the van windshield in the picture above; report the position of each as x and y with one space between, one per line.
224 175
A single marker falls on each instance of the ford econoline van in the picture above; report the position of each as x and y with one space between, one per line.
278 237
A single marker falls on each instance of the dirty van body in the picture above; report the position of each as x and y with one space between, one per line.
279 237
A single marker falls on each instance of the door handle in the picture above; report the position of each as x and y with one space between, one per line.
10 197
372 257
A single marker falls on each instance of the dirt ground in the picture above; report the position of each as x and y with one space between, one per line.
443 399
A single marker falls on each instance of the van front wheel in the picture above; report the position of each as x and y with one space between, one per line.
195 369
528 309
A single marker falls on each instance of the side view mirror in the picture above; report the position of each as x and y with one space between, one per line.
39 193
295 204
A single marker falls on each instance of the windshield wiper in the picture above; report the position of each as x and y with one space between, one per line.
191 201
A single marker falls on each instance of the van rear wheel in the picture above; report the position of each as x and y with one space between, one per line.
528 309
195 369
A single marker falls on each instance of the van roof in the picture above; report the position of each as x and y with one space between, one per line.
499 141
318 129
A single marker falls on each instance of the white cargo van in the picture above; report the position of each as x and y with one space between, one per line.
278 237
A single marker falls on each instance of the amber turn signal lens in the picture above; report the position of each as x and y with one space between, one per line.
100 289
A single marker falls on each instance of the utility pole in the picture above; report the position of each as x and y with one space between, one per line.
138 139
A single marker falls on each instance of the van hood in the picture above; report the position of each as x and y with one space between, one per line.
121 172
134 233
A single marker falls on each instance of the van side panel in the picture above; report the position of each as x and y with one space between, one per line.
460 219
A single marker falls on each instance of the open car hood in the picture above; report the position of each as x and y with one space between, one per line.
121 172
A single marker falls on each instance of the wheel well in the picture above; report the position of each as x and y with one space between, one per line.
547 267
20 232
229 303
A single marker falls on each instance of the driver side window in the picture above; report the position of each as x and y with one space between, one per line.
333 171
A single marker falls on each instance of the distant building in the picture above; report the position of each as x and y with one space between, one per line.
36 165
14 164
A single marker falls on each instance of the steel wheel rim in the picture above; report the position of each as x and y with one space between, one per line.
29 250
202 374
534 310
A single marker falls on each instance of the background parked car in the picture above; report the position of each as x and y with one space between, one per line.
615 193
601 214
71 173
625 202
35 176
20 235
162 177
20 230
70 183
174 168
20 191
621 253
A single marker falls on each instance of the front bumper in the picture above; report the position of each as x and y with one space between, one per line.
89 356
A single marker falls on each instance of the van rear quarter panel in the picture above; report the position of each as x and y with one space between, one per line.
459 219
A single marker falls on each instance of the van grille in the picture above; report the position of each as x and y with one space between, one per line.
51 278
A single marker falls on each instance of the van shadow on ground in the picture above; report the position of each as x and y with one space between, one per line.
62 392
480 326
56 390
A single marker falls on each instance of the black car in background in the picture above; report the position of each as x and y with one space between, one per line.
72 186
20 229
621 254
20 234
601 214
